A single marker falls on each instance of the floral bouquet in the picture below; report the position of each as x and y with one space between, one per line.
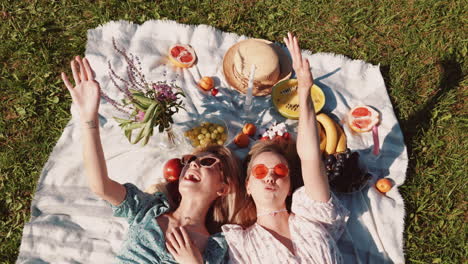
147 104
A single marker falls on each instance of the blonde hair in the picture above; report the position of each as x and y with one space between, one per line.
280 146
224 209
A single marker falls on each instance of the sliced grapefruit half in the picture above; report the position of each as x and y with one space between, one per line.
182 56
363 118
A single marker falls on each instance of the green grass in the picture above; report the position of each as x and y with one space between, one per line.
420 45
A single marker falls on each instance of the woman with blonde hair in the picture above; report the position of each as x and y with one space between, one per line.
159 233
306 232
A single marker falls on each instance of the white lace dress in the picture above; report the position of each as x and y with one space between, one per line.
314 226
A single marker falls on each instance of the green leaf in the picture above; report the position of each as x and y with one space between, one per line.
122 121
139 106
142 100
147 133
134 125
128 134
138 137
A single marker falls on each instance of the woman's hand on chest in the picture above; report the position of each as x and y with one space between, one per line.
198 237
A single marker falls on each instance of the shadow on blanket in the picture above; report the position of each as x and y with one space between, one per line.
359 237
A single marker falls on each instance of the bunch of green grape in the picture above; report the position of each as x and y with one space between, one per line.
207 134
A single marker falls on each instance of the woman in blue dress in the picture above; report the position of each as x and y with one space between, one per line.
159 232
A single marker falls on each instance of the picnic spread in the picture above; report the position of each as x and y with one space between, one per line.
168 88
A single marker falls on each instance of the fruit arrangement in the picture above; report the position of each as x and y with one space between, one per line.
207 133
332 137
242 139
344 173
182 56
286 100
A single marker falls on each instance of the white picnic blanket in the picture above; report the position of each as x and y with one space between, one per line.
69 224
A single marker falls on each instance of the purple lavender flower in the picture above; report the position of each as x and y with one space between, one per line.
116 105
164 91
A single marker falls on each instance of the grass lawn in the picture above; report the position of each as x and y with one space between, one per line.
420 45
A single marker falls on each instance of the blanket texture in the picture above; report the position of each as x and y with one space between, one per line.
69 224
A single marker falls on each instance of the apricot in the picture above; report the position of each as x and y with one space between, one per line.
249 129
206 83
383 185
241 140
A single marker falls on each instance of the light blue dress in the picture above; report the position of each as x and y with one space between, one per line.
145 241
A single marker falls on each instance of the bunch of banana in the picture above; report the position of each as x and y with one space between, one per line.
150 108
332 136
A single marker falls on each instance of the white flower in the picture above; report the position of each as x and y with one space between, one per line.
271 134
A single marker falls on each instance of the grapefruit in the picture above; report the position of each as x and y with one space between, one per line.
182 56
286 100
363 118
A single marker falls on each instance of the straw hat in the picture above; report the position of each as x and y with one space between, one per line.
272 65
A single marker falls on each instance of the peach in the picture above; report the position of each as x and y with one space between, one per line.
383 185
241 140
249 129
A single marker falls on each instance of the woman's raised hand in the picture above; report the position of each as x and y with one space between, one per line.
182 248
301 65
85 94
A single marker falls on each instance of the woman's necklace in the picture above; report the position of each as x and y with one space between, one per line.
186 220
272 212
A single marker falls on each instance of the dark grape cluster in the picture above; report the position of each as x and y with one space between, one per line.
344 173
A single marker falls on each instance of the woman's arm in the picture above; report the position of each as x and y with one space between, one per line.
308 143
85 96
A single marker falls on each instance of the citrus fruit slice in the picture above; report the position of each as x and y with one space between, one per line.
182 56
286 100
363 118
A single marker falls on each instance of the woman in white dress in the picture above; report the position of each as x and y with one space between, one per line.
306 232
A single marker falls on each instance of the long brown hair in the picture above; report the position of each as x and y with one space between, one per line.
280 146
224 209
